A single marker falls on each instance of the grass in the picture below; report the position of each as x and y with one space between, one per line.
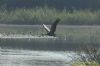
83 64
40 15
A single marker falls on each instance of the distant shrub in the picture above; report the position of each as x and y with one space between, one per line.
47 15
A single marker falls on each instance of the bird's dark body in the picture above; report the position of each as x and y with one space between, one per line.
53 28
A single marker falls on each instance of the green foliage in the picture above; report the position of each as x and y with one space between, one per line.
89 56
83 64
47 15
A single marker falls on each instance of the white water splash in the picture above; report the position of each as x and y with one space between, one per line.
35 58
23 36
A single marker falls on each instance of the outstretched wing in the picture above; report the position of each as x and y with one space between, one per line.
53 27
46 28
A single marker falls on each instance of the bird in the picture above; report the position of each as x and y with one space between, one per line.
51 31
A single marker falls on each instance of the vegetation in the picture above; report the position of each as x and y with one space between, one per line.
78 12
58 4
83 64
89 57
47 15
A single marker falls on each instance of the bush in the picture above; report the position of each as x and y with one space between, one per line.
47 15
90 57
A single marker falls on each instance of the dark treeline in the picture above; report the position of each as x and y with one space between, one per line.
59 4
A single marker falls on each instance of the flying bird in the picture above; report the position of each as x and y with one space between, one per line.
50 32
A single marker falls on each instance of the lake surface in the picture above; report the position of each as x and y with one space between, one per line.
23 45
38 29
20 57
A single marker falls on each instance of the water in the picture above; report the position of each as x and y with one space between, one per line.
24 46
38 29
16 57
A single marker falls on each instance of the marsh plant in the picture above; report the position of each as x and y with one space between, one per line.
89 57
40 15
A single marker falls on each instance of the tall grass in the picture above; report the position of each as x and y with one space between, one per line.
47 15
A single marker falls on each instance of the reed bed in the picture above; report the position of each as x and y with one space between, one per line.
47 15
